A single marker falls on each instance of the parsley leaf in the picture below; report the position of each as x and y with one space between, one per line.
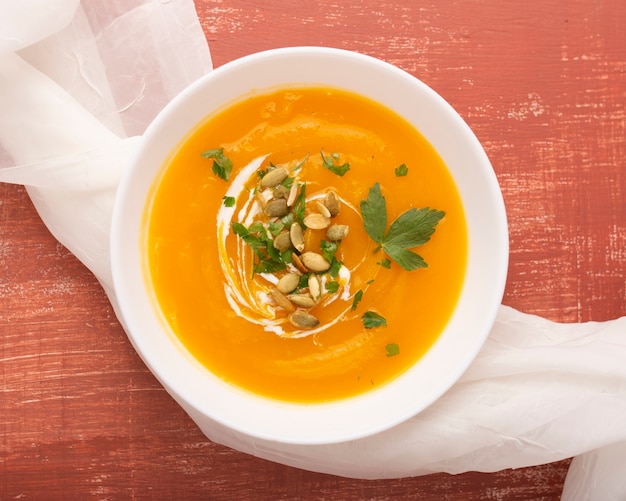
299 205
287 256
332 287
372 319
256 227
374 212
269 266
335 267
402 170
304 281
328 249
287 220
392 349
269 259
357 299
300 163
275 227
239 229
329 163
411 229
228 201
385 263
407 259
222 165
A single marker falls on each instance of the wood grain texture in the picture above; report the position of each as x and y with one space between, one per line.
543 85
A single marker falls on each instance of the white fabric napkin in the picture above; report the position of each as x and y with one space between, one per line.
79 83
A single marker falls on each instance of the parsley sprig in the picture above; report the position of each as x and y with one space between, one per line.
411 229
269 259
328 162
371 319
222 165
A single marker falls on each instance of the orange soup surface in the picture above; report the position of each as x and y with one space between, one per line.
216 286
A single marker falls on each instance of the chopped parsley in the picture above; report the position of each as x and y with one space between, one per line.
402 170
392 349
385 263
371 319
357 299
222 165
329 163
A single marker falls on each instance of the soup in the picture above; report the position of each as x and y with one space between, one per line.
306 245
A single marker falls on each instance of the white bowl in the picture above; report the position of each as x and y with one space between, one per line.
213 403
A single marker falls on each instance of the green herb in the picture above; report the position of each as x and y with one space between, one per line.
287 220
385 263
239 229
332 287
269 266
222 165
300 163
304 281
272 252
329 163
299 205
228 201
275 227
402 170
328 250
372 319
392 349
357 299
287 256
249 236
256 227
269 259
411 229
335 266
374 212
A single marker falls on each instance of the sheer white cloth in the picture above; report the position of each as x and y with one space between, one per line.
78 87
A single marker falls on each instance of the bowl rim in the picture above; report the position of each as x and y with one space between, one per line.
286 422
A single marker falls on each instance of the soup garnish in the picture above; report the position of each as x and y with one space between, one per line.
277 236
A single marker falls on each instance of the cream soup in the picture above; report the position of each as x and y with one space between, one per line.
345 329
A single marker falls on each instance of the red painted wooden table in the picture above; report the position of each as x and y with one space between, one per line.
543 85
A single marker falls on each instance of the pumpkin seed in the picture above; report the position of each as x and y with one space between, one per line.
314 261
288 283
316 221
337 232
281 300
297 262
297 236
281 191
274 177
276 207
331 201
303 320
293 194
322 209
315 287
304 300
282 242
